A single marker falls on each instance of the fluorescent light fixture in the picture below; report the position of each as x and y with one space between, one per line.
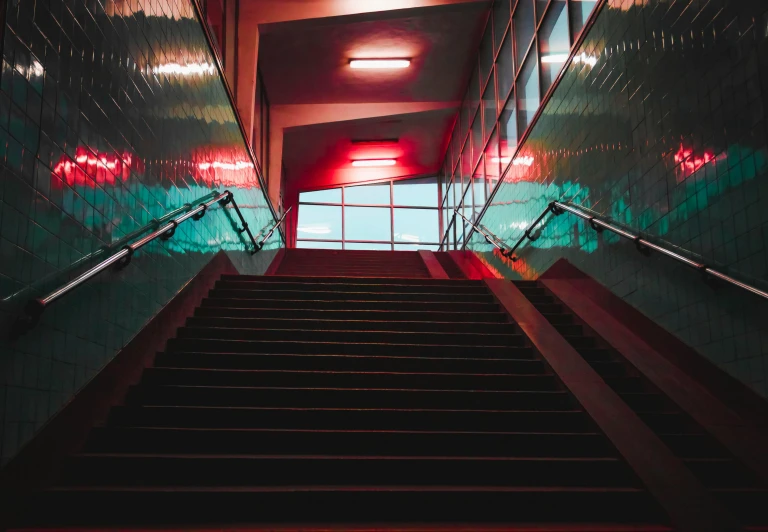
554 58
373 163
379 63
503 160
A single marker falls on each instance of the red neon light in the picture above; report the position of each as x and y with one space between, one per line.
89 169
692 162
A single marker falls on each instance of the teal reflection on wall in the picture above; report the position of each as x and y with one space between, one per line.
112 114
659 125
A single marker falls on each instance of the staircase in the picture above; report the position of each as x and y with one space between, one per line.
331 263
318 401
737 488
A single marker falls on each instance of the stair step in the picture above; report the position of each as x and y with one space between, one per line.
424 364
353 325
347 398
353 336
557 318
598 354
647 401
347 442
723 473
390 287
343 348
693 446
351 305
141 470
277 279
197 506
566 421
349 296
352 315
294 378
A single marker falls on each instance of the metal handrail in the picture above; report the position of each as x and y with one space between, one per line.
268 234
122 258
644 246
491 238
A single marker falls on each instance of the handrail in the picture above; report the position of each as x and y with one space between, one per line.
122 258
644 246
268 234
491 238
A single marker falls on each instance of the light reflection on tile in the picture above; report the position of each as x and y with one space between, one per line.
665 133
111 115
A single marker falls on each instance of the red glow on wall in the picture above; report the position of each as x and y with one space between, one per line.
225 167
689 162
89 169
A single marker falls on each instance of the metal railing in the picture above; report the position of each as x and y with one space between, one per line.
491 238
643 245
35 307
265 234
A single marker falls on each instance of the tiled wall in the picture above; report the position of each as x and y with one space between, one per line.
111 114
665 132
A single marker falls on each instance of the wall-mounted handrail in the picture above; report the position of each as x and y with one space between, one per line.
491 238
643 245
36 307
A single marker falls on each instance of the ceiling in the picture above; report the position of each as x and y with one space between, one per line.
319 104
320 155
308 62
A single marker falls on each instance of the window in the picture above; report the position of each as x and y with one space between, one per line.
580 11
554 43
361 216
525 28
501 10
504 71
416 192
527 93
319 222
489 111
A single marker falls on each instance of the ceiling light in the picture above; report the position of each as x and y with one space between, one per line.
555 58
379 63
370 163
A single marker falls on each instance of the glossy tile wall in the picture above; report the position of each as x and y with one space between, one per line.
663 129
112 114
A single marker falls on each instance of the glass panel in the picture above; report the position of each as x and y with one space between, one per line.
527 93
500 21
505 72
332 195
477 140
478 185
366 246
473 98
416 192
507 132
580 12
489 110
466 169
417 225
367 223
492 161
541 7
317 221
553 43
305 244
486 54
377 194
524 29
416 247
456 141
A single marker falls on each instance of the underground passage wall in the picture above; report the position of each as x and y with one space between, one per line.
112 114
660 125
